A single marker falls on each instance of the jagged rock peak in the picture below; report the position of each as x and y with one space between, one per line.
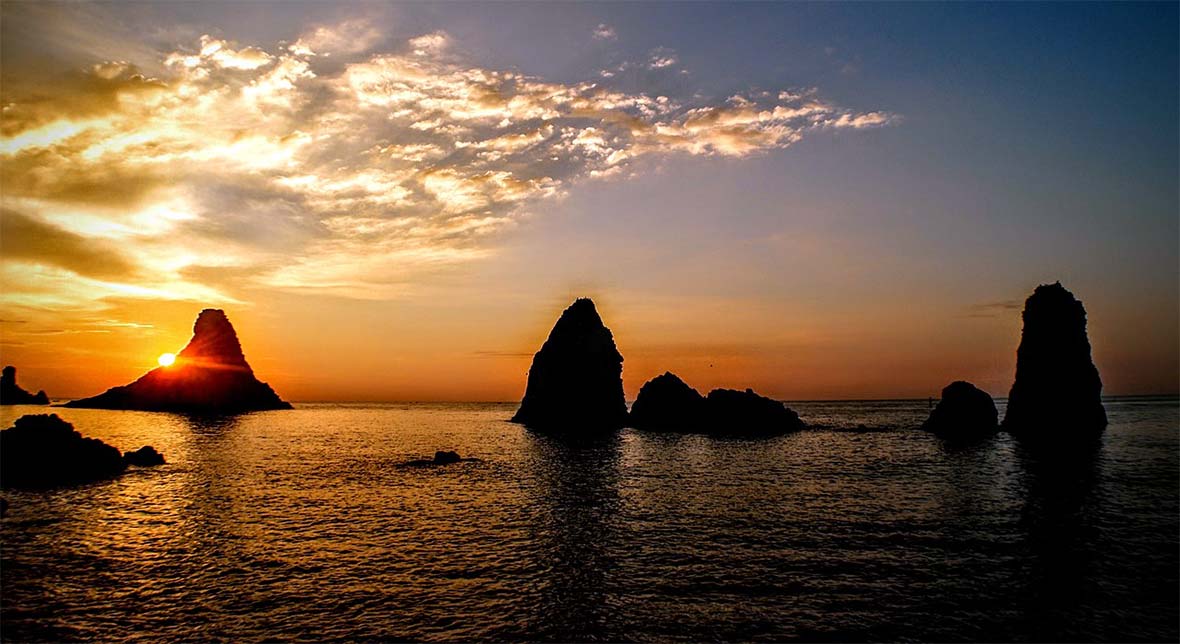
1057 387
575 382
12 393
214 341
210 375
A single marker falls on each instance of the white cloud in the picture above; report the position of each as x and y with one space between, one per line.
604 32
352 178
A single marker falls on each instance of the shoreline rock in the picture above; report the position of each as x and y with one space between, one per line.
575 383
13 394
146 456
42 450
210 376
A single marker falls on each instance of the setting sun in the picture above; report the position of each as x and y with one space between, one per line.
166 359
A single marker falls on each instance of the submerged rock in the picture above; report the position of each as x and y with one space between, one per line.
964 411
575 384
44 450
145 456
12 394
1057 391
210 375
731 412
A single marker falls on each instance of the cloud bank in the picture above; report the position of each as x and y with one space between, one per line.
320 166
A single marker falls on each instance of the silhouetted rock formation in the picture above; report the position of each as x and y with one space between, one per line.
441 457
145 456
732 412
44 450
575 383
1057 391
12 394
209 376
667 403
964 411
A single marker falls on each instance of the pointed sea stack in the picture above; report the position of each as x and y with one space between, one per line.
209 376
965 411
575 384
667 404
12 394
1057 392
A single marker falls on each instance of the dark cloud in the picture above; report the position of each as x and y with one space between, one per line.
27 239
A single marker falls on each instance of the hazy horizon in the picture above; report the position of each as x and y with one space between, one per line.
395 202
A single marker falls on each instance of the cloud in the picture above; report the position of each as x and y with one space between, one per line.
348 37
246 168
994 309
25 239
604 32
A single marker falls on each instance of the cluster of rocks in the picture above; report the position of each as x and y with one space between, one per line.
12 394
1057 392
575 386
210 375
42 450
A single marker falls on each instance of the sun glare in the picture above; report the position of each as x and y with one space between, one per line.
166 359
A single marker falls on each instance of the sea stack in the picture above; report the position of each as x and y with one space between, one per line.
12 394
667 404
575 384
210 375
1057 391
965 411
44 450
745 413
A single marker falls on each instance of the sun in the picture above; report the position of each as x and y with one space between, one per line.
166 359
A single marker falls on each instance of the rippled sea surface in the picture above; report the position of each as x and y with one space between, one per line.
303 525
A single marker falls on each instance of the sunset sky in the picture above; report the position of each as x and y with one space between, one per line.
395 202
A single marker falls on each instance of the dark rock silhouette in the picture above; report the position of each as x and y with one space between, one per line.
1057 391
12 394
964 411
732 412
667 403
145 456
441 457
575 384
210 375
43 451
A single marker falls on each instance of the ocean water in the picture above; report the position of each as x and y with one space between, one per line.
304 525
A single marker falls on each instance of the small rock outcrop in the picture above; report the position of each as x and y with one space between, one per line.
739 413
146 456
12 394
1057 391
666 403
575 384
964 411
210 375
441 457
43 451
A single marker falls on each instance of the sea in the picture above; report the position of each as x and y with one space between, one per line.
307 525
